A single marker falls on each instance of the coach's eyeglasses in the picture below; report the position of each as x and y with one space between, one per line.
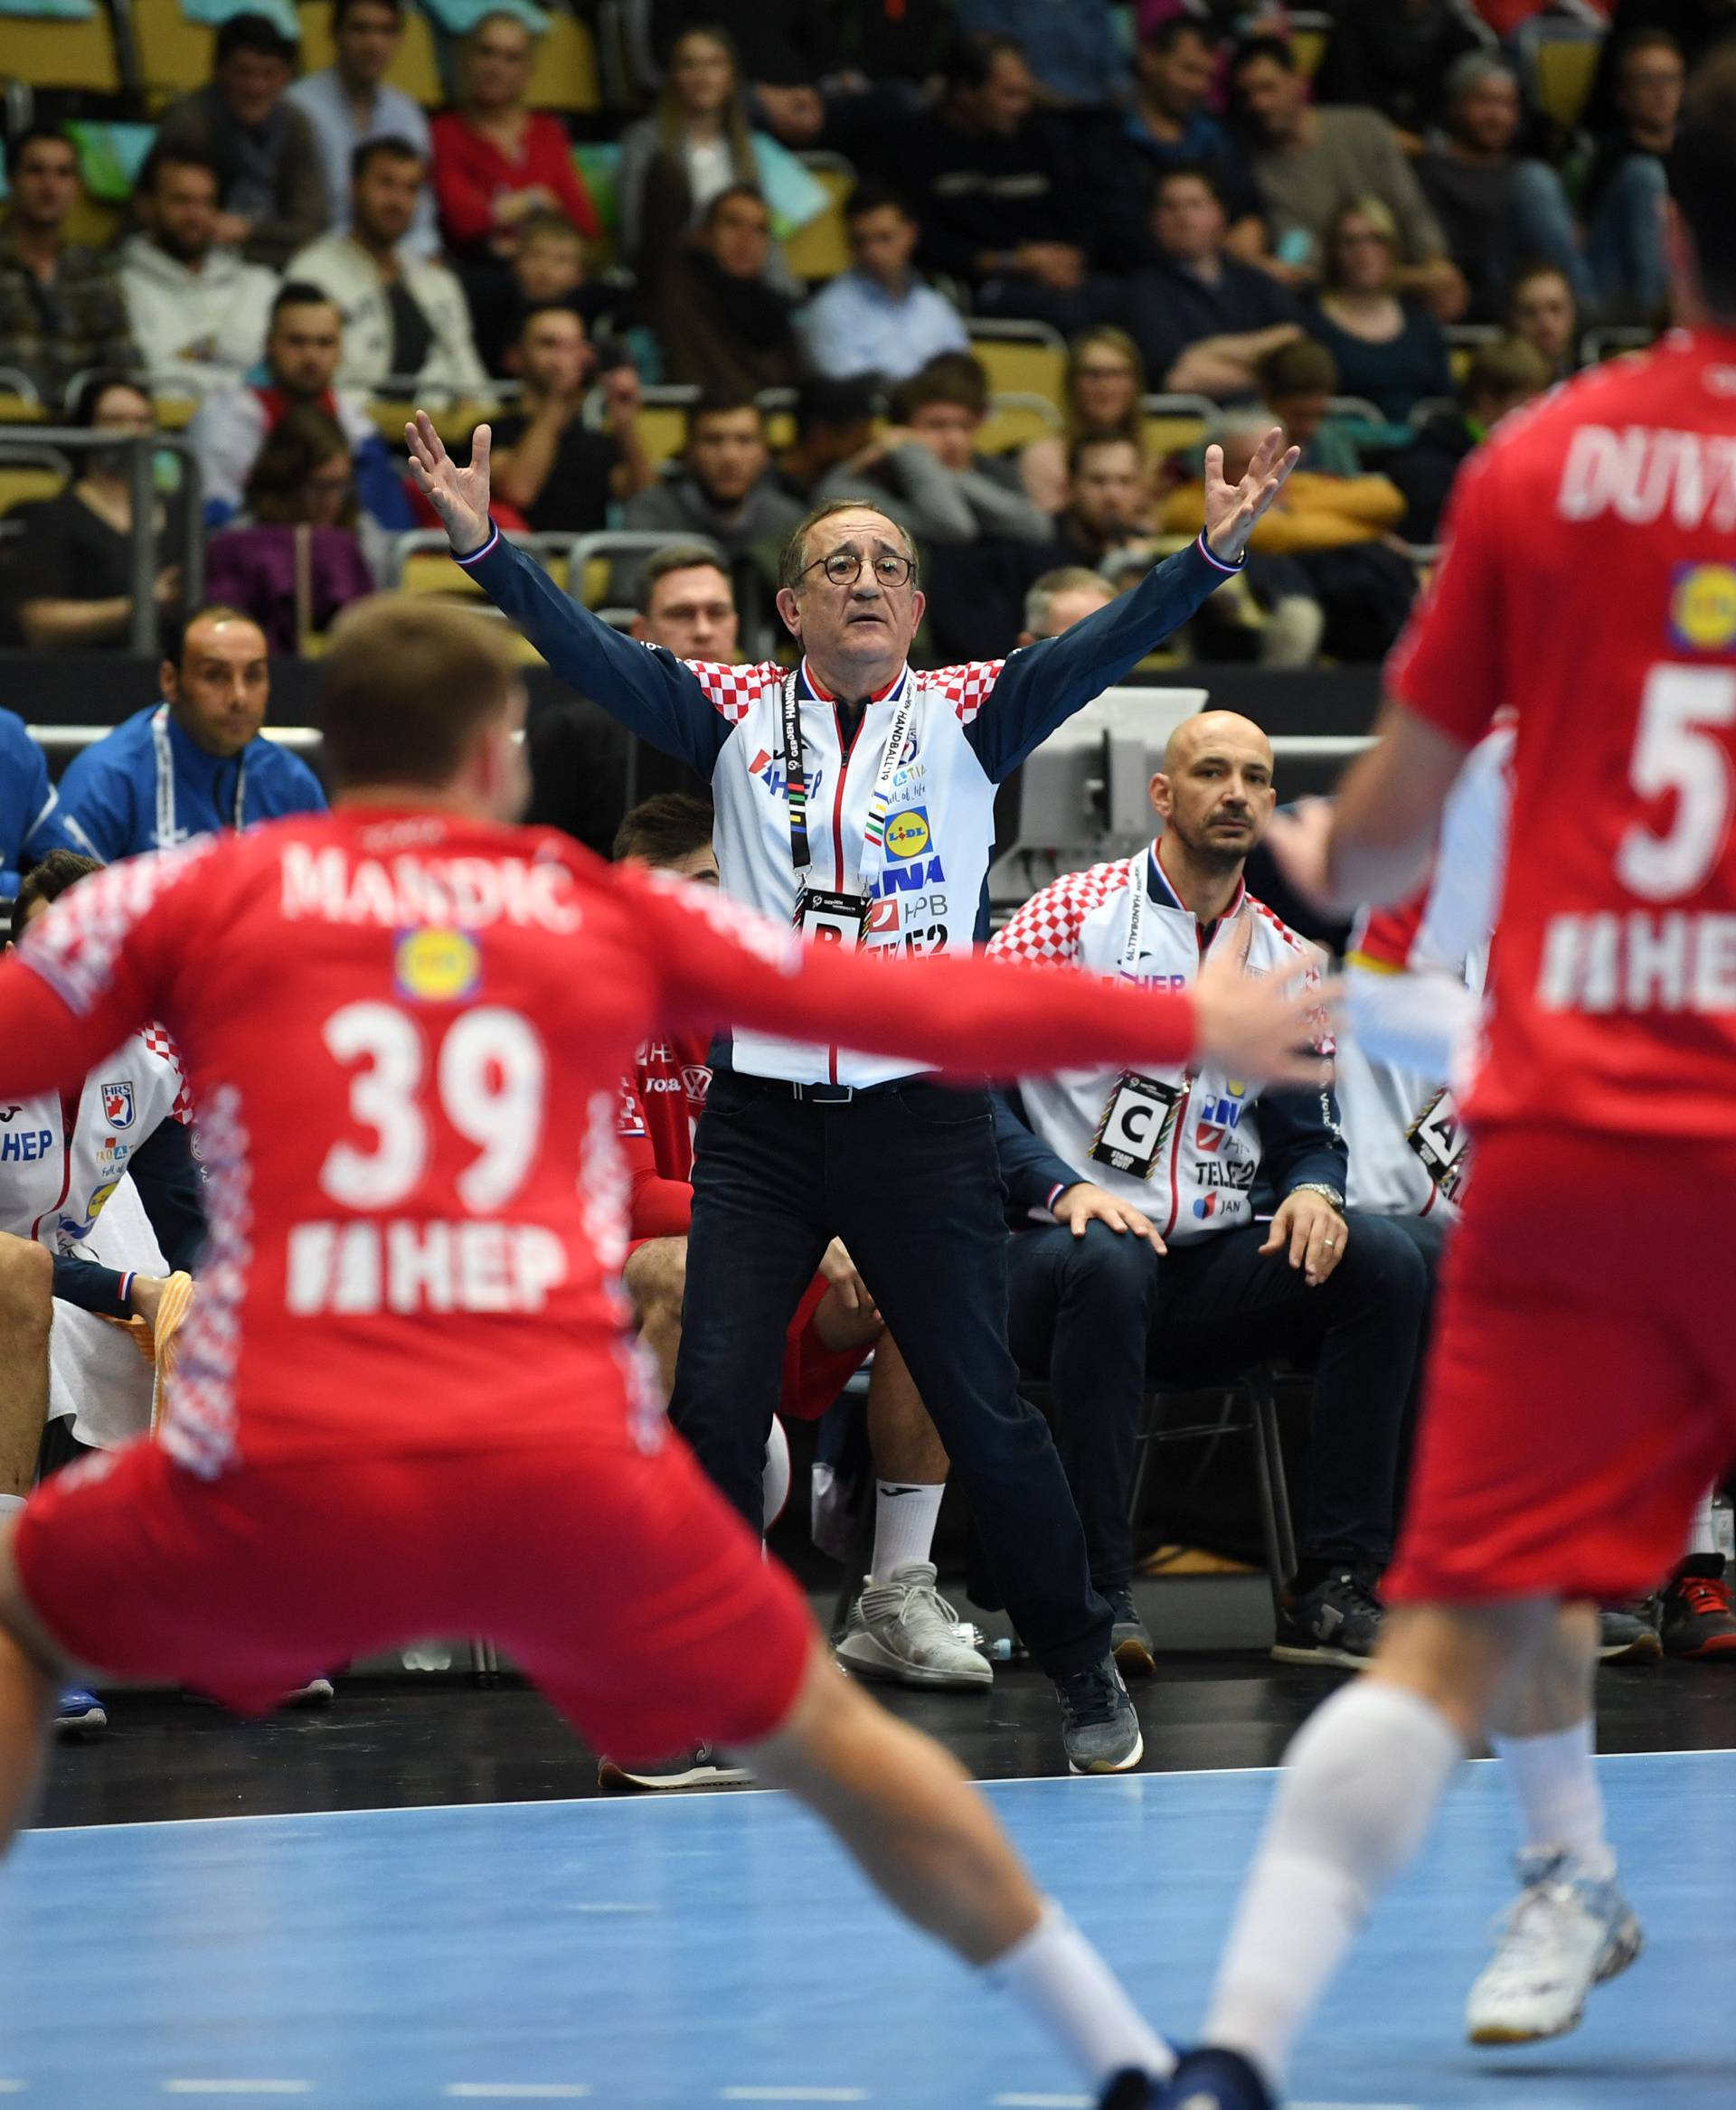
844 568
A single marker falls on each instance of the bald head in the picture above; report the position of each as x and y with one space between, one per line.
1214 793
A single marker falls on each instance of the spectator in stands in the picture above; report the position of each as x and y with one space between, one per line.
70 582
1500 378
1145 1263
1333 538
1296 384
351 102
1060 598
292 561
1100 396
1393 56
303 351
61 310
1389 350
1696 26
1542 310
878 317
580 757
988 180
547 269
834 423
674 163
26 797
549 464
1108 498
1170 124
1497 211
193 765
404 316
1074 52
197 309
274 197
923 470
1309 162
723 487
496 159
1202 320
722 321
1625 187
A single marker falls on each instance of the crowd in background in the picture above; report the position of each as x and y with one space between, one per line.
1374 230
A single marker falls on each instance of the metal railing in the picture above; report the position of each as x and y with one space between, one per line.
141 450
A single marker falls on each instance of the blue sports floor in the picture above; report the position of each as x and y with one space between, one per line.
698 1950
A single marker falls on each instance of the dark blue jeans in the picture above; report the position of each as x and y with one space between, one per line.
1102 1317
908 1179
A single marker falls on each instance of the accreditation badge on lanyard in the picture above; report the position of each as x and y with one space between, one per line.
839 918
1441 1140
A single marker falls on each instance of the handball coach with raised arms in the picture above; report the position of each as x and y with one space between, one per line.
855 797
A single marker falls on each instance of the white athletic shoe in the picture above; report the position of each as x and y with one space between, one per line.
901 1630
1561 1936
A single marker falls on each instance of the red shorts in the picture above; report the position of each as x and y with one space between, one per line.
621 1583
1582 1392
814 1374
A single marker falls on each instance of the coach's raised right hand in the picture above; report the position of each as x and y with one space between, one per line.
1259 1028
460 496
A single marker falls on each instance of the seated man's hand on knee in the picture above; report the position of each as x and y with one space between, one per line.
1083 1204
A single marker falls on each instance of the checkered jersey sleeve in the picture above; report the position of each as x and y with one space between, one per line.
1048 926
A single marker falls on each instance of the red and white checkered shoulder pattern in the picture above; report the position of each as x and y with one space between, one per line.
162 1045
1048 925
1309 954
965 688
74 948
735 690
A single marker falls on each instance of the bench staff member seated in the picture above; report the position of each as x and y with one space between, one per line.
855 797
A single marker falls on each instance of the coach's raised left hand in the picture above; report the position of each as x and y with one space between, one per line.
1231 509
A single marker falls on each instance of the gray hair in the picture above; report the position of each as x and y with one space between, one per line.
1468 74
1039 603
793 562
1244 428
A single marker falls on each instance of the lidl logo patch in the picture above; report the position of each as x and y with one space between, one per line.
907 834
436 966
1703 607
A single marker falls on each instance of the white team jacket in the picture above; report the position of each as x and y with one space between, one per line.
1203 1177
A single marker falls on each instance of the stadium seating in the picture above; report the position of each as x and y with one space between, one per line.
1176 424
564 77
1014 419
1020 359
60 53
416 70
591 558
31 473
818 252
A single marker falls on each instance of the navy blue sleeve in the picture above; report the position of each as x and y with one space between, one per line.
1043 685
1030 1169
1302 1140
91 1287
173 1190
652 692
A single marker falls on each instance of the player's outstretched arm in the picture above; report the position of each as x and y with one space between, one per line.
1388 811
969 1016
44 1043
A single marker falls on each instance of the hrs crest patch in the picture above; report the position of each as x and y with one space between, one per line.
119 1107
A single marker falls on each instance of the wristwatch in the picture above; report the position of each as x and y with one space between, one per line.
1322 1187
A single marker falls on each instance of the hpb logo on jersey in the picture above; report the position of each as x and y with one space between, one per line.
1703 607
118 1108
770 771
436 966
907 834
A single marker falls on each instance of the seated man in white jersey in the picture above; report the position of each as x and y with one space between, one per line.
127 1137
1139 1258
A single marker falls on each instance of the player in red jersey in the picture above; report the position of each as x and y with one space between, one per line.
406 1401
1575 1409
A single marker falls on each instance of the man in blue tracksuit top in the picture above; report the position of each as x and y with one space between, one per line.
189 766
26 797
856 798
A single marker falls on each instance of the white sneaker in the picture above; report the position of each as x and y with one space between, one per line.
1561 1936
902 1630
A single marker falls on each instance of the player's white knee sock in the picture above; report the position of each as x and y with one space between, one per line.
1067 1986
774 1478
904 1521
1703 1537
1554 1780
8 1502
1360 1788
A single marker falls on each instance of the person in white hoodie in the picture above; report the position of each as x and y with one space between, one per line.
198 310
403 315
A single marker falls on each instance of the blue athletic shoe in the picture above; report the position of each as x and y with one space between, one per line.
1129 2090
80 1714
1214 2080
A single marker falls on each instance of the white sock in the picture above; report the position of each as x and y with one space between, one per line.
904 1521
8 1502
1703 1537
1057 1973
1361 1786
1554 1784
